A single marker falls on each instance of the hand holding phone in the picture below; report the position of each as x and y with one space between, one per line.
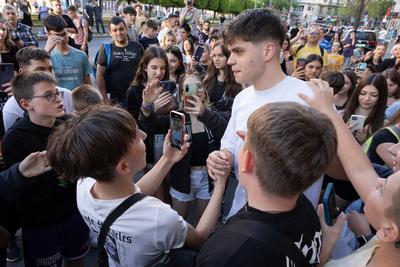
177 126
362 66
356 122
198 53
301 63
331 211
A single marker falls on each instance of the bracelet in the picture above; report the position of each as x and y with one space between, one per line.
148 106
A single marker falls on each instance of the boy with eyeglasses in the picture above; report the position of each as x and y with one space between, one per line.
52 228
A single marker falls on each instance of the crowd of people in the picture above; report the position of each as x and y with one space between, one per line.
91 160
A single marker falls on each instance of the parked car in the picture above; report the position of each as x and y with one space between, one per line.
366 39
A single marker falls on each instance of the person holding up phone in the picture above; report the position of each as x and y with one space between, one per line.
190 16
369 100
308 68
145 97
381 198
189 178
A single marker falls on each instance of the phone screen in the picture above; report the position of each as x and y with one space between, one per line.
168 86
6 73
177 122
300 63
198 53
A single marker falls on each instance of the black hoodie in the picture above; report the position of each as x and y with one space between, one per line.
45 199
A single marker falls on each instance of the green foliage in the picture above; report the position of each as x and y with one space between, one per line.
201 4
171 3
213 5
377 8
280 4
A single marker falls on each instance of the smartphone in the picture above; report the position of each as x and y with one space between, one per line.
168 86
177 126
362 66
301 63
331 211
191 89
189 2
6 73
357 122
198 53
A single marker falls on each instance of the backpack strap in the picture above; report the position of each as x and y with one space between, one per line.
102 259
395 131
299 48
270 237
107 50
322 51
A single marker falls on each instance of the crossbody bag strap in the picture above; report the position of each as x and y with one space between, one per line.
118 211
270 237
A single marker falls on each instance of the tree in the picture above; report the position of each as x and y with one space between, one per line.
357 8
377 8
280 4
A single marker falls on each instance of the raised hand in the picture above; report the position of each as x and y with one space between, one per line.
151 92
34 164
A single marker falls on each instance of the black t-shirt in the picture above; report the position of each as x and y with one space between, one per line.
98 12
9 57
89 10
329 35
386 64
146 42
199 149
123 64
300 225
217 92
380 137
203 37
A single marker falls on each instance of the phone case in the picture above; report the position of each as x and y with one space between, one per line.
325 201
181 116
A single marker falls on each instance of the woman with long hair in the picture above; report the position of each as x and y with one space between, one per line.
393 62
286 58
219 80
312 68
350 81
187 52
8 49
175 62
369 100
393 82
152 69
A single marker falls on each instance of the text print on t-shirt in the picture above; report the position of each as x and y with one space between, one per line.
124 55
314 248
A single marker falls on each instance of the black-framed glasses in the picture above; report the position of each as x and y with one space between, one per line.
50 96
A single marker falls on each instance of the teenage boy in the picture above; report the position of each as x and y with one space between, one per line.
149 37
81 38
287 147
71 66
255 38
145 233
52 228
123 62
32 59
129 15
70 28
21 33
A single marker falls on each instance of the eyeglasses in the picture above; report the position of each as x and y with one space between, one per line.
49 96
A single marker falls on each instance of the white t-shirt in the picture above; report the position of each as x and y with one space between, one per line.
12 111
142 236
245 103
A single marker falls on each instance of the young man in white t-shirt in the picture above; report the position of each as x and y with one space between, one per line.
255 38
107 158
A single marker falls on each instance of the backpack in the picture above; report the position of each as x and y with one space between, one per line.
107 50
320 49
90 34
392 129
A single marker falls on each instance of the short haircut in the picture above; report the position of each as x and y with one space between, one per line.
255 25
207 21
84 96
72 8
55 23
129 10
151 24
23 83
335 80
76 148
9 7
26 54
292 144
116 20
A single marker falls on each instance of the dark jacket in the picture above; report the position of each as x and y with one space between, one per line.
47 199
